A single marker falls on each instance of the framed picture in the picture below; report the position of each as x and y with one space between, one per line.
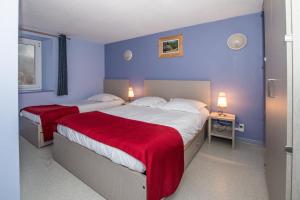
171 46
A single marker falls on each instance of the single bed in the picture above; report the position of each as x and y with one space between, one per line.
30 124
115 169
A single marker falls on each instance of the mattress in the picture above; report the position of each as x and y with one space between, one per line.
83 106
187 124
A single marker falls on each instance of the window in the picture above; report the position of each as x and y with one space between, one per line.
30 64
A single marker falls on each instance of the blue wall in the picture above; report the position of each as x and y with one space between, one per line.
206 57
85 71
9 147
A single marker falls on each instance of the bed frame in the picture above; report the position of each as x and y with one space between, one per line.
117 182
33 132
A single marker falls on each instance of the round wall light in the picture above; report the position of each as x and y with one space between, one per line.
237 41
127 55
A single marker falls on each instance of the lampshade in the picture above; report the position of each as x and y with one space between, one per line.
222 100
130 92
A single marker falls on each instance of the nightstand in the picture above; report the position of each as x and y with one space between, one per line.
221 126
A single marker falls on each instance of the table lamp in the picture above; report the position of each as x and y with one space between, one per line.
222 103
130 94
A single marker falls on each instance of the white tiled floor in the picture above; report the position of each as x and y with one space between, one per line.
216 173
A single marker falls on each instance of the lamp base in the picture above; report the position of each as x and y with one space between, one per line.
221 113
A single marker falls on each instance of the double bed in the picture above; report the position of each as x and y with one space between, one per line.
31 126
114 173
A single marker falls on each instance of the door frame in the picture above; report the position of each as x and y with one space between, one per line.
296 100
289 65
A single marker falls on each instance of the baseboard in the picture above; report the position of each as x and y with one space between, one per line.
250 141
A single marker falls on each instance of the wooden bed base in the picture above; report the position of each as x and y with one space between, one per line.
112 181
32 132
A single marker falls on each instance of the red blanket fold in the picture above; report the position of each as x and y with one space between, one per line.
159 147
49 114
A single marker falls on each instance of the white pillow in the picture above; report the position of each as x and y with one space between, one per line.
149 102
198 104
184 106
104 97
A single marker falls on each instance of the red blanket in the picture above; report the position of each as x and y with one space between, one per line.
49 114
159 147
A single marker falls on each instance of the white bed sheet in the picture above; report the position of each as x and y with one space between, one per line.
187 124
83 106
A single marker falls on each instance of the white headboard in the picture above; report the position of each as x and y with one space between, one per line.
117 87
198 90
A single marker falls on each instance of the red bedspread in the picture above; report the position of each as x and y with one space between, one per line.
49 114
159 147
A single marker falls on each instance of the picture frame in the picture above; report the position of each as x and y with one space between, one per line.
171 46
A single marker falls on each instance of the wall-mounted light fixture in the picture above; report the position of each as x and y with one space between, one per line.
237 41
127 55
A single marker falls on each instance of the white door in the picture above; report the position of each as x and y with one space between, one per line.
278 98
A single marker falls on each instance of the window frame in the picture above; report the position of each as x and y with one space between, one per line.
38 64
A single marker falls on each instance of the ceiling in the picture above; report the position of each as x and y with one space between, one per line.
107 21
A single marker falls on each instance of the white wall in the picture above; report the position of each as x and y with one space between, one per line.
85 72
9 140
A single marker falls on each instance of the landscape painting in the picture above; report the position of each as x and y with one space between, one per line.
171 46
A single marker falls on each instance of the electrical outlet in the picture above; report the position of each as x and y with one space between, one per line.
240 128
